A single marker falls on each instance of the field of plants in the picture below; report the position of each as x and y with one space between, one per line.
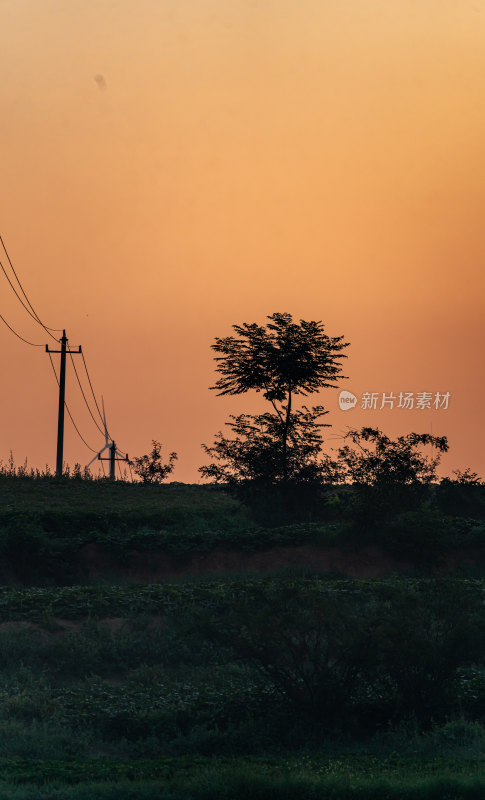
236 685
45 524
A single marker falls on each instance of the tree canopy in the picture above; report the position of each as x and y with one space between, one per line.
150 467
280 360
371 458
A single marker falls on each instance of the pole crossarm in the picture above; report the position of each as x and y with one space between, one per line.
109 444
72 352
113 452
62 396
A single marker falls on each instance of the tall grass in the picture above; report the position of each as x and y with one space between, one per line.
241 784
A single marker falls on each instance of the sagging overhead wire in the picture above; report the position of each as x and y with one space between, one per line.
22 302
29 307
32 344
122 452
82 392
67 409
92 390
102 418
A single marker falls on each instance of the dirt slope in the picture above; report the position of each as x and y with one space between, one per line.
363 562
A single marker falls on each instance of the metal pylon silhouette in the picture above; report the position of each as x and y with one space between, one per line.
111 446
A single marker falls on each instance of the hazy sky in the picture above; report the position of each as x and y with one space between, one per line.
172 167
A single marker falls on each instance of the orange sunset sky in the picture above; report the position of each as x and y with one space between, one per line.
172 167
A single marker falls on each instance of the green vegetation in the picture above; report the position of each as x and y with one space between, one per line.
150 468
287 685
46 523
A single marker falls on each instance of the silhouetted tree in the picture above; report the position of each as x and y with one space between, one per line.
371 458
281 360
255 454
388 475
466 477
150 468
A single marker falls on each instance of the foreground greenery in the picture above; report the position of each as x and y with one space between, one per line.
45 523
285 686
237 666
283 777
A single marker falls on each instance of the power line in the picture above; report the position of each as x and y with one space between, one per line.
33 314
23 304
18 334
36 316
102 418
18 296
67 408
92 390
82 392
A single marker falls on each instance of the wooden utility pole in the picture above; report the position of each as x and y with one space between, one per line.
62 399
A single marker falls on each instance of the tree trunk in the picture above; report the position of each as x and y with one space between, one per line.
285 436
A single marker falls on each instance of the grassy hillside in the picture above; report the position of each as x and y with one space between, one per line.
284 685
70 531
77 502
